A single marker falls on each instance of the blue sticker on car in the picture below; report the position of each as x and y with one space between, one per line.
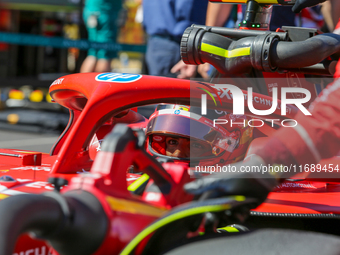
177 112
118 77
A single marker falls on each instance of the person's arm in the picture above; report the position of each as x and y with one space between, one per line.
326 10
217 14
185 71
335 11
182 13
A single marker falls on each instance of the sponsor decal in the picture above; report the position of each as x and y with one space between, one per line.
296 185
182 107
271 86
118 77
40 185
99 143
35 168
57 81
35 251
177 112
157 138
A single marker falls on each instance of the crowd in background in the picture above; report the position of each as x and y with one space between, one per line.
164 22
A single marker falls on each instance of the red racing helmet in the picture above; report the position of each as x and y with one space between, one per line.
222 143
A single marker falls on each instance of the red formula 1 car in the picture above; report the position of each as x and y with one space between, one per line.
97 212
97 103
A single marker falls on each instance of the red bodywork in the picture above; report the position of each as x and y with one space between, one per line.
94 104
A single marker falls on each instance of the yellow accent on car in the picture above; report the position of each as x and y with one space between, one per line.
172 217
3 196
137 183
133 207
27 152
230 229
238 198
240 52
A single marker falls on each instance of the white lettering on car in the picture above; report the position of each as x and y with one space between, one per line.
36 168
58 81
36 251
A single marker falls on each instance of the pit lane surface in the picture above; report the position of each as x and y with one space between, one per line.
12 137
27 141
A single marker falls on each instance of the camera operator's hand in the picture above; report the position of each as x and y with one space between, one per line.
255 184
184 71
301 4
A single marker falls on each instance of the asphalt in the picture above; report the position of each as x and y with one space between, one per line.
27 141
38 131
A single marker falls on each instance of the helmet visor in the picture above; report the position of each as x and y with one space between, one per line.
194 127
177 125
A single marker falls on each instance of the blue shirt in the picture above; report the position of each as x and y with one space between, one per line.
172 17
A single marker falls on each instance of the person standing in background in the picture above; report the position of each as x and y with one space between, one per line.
218 15
330 10
164 22
100 18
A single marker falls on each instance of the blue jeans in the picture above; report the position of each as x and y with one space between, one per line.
161 55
